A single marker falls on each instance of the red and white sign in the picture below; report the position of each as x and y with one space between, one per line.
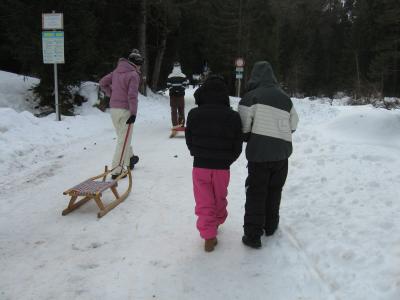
239 62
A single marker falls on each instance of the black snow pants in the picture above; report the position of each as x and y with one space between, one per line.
263 196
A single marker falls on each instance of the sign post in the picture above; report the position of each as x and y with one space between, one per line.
239 63
53 48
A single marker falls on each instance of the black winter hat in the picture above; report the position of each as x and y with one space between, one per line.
135 57
213 91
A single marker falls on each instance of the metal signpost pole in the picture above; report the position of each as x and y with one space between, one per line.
58 117
53 48
56 93
239 63
238 91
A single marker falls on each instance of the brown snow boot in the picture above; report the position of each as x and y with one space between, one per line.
210 244
173 133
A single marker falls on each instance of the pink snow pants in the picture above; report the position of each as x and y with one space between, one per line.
210 188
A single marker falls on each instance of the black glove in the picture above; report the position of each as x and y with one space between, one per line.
131 119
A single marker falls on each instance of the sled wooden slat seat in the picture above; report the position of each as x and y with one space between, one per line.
92 188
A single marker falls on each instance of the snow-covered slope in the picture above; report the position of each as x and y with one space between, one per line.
338 237
15 91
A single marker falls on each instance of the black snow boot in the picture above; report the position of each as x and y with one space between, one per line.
252 241
271 224
114 176
133 161
269 231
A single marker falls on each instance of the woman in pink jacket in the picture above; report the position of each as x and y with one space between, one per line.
122 85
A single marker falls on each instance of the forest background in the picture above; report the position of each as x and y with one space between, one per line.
316 47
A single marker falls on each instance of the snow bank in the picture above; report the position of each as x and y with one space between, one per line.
26 139
371 125
15 93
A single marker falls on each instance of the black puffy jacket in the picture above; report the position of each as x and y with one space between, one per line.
213 131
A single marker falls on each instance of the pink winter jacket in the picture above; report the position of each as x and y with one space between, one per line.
122 86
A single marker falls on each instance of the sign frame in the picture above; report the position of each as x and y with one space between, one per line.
52 21
239 62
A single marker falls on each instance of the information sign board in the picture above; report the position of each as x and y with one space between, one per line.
239 75
53 47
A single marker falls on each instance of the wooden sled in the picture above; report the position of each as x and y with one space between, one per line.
176 129
93 189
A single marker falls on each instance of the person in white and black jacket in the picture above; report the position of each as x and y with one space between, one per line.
177 83
268 119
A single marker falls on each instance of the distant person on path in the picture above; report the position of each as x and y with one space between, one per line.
268 119
176 84
195 80
214 137
121 85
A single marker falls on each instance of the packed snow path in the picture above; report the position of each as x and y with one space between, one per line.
338 237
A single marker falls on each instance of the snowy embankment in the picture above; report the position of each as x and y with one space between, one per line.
338 237
15 91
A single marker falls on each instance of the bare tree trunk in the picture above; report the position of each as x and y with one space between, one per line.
396 70
240 28
158 61
358 89
142 45
296 80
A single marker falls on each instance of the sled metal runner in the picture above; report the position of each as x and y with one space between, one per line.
93 187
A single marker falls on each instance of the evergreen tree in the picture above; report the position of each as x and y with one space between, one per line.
385 65
317 47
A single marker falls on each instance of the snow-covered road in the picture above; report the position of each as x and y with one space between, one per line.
338 238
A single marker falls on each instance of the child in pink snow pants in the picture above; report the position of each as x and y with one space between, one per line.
210 188
214 137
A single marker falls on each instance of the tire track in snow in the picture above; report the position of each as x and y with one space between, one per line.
313 269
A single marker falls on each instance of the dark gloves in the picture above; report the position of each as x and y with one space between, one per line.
246 137
131 119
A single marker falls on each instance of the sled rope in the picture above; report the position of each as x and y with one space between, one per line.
123 148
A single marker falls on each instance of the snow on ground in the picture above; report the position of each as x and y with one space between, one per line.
338 237
15 90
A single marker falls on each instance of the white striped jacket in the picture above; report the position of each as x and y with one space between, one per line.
268 120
